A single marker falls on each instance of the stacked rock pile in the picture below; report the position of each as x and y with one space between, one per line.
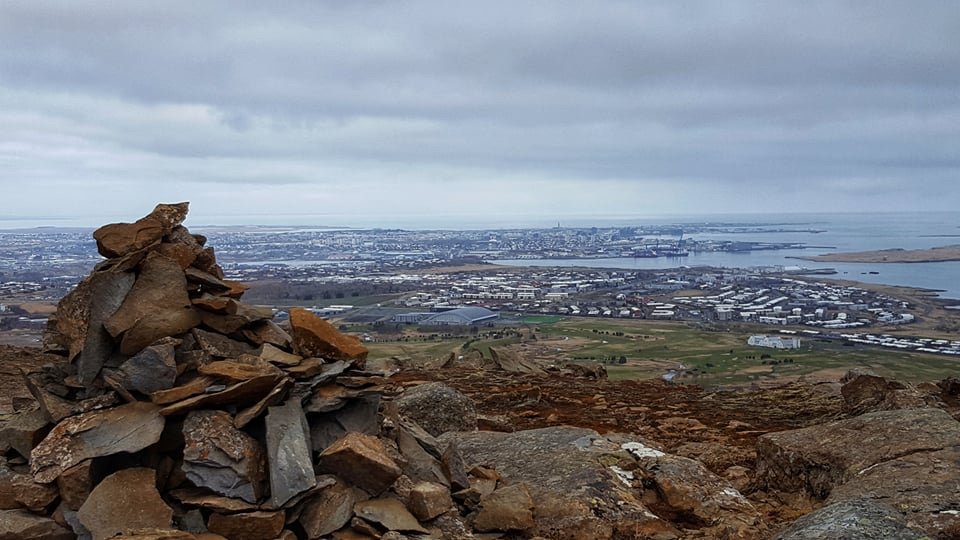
183 412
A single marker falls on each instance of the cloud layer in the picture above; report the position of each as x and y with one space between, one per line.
493 109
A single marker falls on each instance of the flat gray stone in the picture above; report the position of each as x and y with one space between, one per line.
222 458
288 452
852 520
107 292
151 370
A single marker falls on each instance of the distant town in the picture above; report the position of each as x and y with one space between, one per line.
389 276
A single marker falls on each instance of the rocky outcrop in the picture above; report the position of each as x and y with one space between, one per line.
584 485
852 520
905 458
864 391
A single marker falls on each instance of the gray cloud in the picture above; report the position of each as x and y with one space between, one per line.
497 108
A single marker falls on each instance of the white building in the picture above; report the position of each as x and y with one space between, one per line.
774 342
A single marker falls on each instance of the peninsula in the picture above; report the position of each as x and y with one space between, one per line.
897 255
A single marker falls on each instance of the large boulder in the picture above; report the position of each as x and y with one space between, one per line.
577 492
816 459
905 458
852 520
438 408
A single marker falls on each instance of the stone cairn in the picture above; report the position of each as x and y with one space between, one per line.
184 413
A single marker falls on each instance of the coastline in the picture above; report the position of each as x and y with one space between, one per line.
896 255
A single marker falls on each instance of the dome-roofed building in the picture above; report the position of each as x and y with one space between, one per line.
464 316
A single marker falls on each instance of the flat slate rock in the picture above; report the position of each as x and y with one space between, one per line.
124 501
389 513
202 498
247 526
107 293
241 393
222 458
288 452
127 428
151 370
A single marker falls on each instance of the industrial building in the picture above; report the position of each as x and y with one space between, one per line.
464 316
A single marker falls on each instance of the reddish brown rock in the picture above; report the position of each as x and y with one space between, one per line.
361 460
242 393
428 500
53 407
223 324
162 534
127 428
506 509
237 371
188 389
315 337
222 458
20 491
184 255
75 484
328 511
118 239
865 392
248 526
124 501
156 307
23 430
199 497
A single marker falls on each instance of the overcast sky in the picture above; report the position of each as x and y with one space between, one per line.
357 112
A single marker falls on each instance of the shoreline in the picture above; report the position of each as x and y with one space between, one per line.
895 255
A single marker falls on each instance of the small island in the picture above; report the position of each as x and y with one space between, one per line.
897 255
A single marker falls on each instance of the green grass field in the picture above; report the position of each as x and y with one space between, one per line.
706 356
